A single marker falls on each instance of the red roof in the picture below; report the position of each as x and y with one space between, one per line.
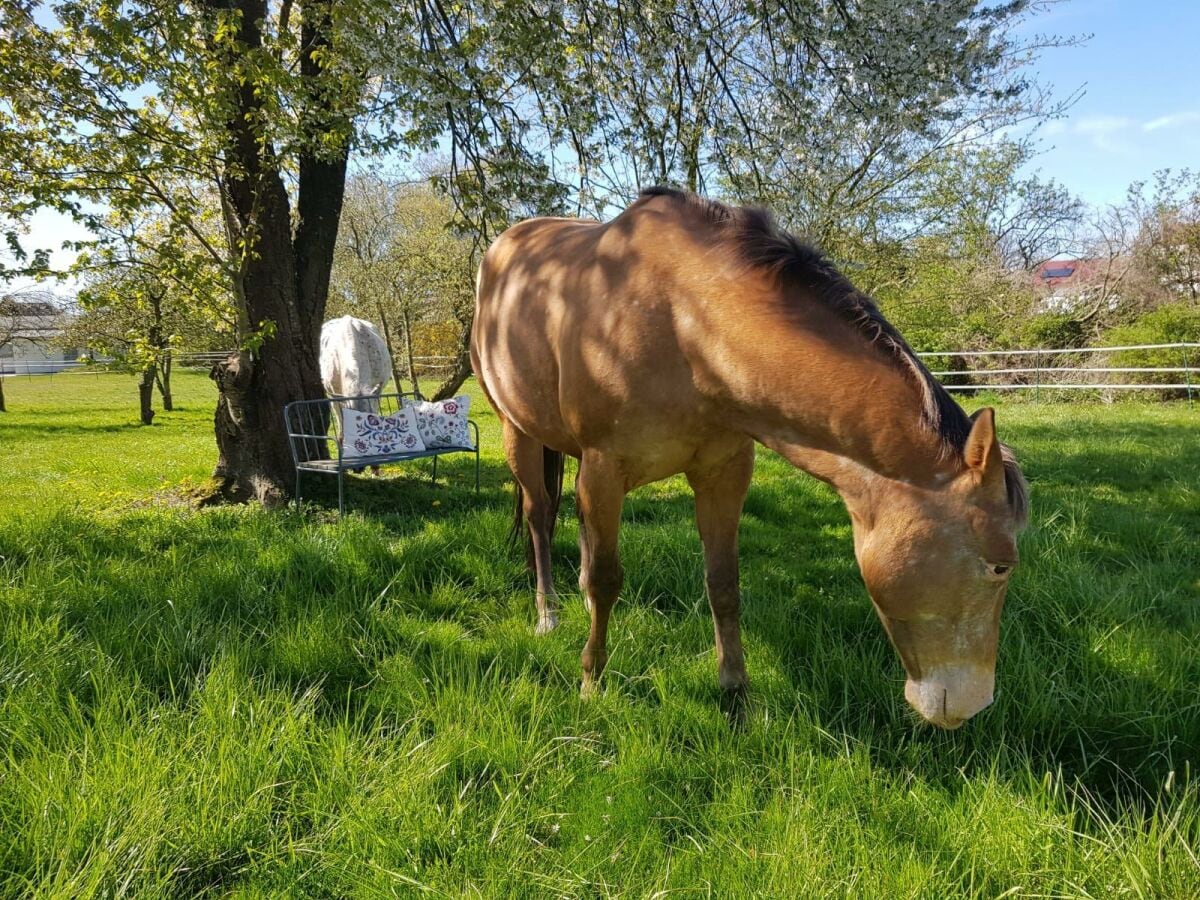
1068 272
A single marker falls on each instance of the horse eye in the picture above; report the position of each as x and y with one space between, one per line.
1000 570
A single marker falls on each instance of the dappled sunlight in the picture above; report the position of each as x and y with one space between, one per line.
377 678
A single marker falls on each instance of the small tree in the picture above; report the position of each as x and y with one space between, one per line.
399 261
8 330
142 321
149 290
14 321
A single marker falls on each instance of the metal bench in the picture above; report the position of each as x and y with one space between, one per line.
313 431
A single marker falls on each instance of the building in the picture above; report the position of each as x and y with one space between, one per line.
1066 284
28 329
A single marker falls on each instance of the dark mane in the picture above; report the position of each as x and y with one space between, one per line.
763 245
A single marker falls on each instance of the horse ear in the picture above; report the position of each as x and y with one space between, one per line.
982 450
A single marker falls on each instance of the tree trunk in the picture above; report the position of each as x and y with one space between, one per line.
164 380
462 367
146 395
3 408
387 339
285 280
412 370
254 459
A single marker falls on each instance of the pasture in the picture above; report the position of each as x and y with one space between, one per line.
234 702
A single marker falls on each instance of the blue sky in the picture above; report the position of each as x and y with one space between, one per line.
1141 108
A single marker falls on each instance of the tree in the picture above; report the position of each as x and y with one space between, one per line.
23 316
127 105
1167 246
142 320
8 330
399 261
139 105
115 109
147 292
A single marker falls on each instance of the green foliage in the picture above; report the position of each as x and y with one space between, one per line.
1176 323
401 263
244 703
1051 330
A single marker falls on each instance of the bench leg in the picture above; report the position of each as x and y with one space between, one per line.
477 467
341 495
435 470
297 489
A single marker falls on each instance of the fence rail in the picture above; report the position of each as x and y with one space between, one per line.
1068 368
425 365
1054 369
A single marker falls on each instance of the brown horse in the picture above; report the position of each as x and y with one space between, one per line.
675 336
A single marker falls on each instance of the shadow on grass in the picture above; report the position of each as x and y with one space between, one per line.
311 606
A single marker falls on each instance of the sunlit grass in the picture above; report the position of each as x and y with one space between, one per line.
240 703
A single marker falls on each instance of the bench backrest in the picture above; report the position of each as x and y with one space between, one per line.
313 428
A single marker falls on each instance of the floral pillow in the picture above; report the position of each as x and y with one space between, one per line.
443 423
372 434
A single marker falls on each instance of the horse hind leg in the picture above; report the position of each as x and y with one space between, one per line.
530 462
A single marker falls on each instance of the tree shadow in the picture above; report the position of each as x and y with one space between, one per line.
297 599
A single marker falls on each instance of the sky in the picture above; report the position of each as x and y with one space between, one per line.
1139 109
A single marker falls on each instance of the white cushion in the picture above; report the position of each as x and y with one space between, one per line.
443 423
372 434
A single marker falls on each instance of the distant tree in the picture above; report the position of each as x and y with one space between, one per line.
959 275
1167 246
8 330
141 319
151 289
400 261
15 319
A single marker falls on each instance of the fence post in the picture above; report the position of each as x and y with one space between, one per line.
1037 375
1187 373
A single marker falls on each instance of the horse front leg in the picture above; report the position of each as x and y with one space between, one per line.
599 495
720 493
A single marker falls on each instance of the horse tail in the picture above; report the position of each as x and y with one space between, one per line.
553 466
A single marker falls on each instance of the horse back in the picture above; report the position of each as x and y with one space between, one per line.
588 335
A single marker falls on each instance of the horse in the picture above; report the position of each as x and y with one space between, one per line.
674 338
355 362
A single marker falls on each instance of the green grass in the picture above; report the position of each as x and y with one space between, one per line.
233 702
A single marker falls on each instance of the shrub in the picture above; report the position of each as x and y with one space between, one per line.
1166 325
1051 330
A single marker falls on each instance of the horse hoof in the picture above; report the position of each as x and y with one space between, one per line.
546 624
588 689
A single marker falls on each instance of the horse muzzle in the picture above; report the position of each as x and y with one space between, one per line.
949 695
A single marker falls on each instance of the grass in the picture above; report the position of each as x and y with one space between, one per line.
238 703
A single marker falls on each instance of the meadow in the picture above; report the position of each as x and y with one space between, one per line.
234 702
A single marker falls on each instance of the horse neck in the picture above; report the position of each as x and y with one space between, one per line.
845 409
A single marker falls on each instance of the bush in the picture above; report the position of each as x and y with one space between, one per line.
1051 330
1166 325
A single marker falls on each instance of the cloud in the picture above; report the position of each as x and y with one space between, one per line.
1102 124
1172 121
1104 131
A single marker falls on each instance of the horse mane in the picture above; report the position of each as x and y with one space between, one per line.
763 245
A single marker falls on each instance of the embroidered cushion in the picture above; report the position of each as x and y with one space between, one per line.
443 423
372 434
